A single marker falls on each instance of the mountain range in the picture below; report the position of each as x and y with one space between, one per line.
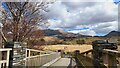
113 33
62 34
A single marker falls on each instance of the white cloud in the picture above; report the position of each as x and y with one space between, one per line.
84 32
88 32
99 17
105 27
87 0
53 25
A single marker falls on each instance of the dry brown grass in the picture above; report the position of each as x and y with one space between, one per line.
68 48
119 47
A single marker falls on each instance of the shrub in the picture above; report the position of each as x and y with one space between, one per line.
80 41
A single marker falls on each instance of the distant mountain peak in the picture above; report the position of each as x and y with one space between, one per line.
113 33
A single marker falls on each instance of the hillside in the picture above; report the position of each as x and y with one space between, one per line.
62 34
49 32
113 33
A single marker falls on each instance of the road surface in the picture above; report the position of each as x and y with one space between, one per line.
64 63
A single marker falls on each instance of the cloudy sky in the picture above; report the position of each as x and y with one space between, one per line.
89 18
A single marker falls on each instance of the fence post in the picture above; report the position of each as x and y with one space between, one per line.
62 53
8 54
29 53
0 65
105 58
77 52
112 61
10 45
26 54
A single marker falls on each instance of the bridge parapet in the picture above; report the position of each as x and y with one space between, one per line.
4 57
111 58
39 58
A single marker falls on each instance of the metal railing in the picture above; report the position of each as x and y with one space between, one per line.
4 57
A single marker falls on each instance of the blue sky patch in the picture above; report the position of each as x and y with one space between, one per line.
84 28
100 34
116 2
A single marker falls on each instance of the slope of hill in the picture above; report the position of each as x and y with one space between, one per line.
62 34
113 33
49 32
